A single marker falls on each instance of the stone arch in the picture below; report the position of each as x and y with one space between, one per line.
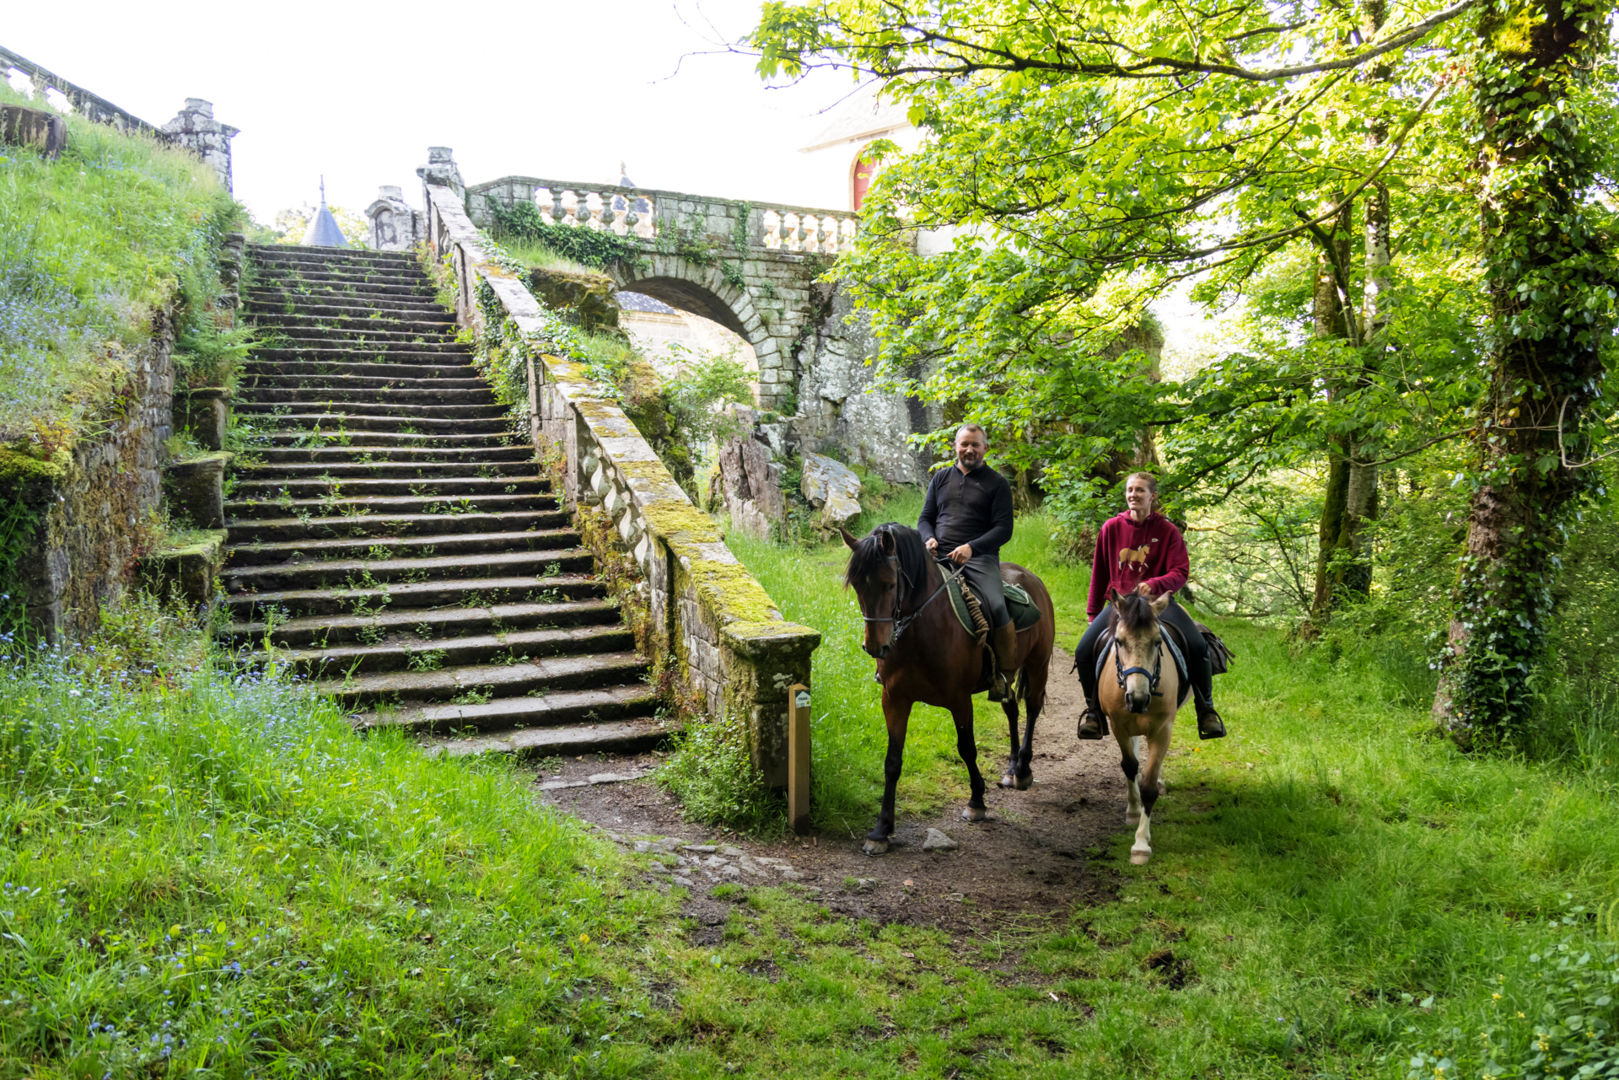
701 289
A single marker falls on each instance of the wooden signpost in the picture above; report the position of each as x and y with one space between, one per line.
798 758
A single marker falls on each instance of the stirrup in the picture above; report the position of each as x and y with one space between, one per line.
1209 724
1092 724
1000 686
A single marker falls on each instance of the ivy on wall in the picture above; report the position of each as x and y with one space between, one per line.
600 249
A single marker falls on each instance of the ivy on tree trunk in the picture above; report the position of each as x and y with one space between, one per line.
1550 278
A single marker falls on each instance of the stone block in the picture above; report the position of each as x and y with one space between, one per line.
195 492
204 412
37 129
186 573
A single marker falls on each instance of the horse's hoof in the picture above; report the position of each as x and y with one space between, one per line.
1139 858
875 847
974 813
1009 780
1025 781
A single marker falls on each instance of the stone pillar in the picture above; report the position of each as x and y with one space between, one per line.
196 129
441 170
395 226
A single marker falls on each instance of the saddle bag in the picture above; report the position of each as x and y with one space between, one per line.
1219 653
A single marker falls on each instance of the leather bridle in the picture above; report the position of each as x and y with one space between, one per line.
1125 672
902 621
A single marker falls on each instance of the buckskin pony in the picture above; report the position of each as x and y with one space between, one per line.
925 655
1140 701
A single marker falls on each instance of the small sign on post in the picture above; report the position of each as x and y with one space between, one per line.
798 758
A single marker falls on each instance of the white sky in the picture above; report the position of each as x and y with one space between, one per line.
562 90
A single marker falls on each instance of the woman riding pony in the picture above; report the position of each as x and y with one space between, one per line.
1140 551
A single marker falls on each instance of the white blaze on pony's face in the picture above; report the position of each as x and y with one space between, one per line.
1139 651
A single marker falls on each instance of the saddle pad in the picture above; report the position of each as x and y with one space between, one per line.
1183 681
1019 604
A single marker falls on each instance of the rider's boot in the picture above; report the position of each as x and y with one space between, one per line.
1209 724
1092 724
1004 640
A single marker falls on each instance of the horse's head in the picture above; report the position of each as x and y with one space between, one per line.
882 572
1138 647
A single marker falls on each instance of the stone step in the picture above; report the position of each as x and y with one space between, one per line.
364 453
397 470
447 395
245 510
363 341
334 434
275 530
309 632
427 427
274 322
409 650
300 273
318 292
386 410
270 488
288 304
466 379
389 354
500 714
376 369
402 596
329 573
614 737
291 252
461 545
539 677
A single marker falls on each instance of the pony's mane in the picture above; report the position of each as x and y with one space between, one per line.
868 556
1133 612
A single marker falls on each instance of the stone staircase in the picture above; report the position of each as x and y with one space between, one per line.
393 542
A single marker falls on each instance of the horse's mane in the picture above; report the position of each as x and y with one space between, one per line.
868 555
1133 612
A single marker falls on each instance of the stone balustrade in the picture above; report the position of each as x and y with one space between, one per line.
194 127
703 605
648 213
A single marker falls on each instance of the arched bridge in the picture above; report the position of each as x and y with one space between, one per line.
748 266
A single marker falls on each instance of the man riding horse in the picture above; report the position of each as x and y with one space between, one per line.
968 513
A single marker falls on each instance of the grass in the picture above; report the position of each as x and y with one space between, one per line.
1332 894
537 255
90 246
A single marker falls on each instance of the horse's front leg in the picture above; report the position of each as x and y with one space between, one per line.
1157 749
967 747
897 716
1131 767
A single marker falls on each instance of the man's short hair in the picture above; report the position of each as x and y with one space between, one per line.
973 427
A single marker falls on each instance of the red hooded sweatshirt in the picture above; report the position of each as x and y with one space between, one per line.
1128 553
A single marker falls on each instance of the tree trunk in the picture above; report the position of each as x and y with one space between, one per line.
1351 492
1549 277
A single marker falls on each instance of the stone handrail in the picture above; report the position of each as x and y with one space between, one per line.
703 605
644 212
79 100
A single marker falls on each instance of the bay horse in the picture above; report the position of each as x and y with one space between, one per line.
1140 701
925 655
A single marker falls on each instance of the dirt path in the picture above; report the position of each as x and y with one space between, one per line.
1033 860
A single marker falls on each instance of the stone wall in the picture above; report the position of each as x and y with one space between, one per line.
395 224
705 608
90 503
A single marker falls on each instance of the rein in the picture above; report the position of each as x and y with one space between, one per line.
901 622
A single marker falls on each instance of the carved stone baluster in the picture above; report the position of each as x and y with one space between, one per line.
770 227
558 213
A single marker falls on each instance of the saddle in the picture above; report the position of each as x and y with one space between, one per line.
1019 604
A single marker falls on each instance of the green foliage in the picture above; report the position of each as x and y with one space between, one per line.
213 872
90 246
1556 1015
712 775
598 249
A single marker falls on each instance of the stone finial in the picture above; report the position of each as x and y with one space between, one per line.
390 191
441 170
199 106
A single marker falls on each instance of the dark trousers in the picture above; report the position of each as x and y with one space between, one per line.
1196 649
983 575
